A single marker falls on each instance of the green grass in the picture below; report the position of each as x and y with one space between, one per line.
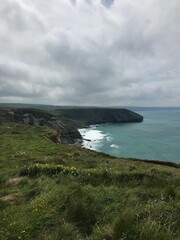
66 192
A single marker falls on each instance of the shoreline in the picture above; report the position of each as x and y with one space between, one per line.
91 137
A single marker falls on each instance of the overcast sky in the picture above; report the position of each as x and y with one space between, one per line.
90 52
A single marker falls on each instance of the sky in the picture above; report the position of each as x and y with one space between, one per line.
90 52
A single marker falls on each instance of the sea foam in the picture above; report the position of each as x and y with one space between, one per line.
92 138
114 146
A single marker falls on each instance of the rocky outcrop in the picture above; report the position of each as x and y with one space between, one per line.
57 137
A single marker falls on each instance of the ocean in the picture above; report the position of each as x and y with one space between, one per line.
156 138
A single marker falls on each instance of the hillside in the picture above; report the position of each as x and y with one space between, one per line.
89 116
65 132
67 120
58 191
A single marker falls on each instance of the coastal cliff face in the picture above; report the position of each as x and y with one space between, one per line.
89 116
66 133
67 120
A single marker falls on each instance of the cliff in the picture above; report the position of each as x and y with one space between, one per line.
89 116
67 120
66 132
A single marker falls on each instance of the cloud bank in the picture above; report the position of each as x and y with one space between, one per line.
90 52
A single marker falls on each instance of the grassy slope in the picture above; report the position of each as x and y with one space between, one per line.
91 196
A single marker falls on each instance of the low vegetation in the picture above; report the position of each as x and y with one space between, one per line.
54 191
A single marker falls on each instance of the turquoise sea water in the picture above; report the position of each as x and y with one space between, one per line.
156 138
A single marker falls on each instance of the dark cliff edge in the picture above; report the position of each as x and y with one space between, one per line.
67 120
83 117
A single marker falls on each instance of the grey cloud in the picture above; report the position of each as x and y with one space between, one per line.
73 2
18 18
88 69
90 53
10 72
107 3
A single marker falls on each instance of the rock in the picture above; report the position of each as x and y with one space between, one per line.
89 140
57 138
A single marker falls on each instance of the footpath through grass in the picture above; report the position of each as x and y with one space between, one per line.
51 191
